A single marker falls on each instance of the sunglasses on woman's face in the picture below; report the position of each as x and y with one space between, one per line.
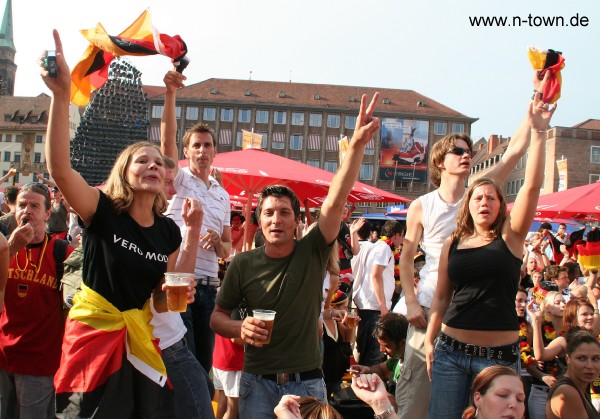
459 151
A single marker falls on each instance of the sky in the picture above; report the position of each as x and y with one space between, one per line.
428 46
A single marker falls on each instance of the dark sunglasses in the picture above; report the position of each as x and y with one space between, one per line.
459 151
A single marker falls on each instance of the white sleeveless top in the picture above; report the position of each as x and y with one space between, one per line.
439 221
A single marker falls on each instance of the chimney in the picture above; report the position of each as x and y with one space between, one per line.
493 142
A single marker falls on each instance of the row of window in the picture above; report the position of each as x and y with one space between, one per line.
37 157
441 128
262 116
296 141
8 138
512 186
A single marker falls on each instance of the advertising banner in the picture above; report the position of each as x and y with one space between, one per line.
404 148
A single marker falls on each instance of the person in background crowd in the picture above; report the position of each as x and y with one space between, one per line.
196 181
570 397
8 220
295 407
237 233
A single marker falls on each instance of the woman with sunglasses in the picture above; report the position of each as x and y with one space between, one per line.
478 278
110 365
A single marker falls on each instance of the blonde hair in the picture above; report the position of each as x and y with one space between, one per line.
465 226
548 301
118 189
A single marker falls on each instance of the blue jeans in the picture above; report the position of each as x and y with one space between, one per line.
451 378
201 333
259 396
26 396
190 382
367 346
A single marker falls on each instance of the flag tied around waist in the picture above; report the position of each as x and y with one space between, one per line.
140 38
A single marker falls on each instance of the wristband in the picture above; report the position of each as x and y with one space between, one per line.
386 413
538 130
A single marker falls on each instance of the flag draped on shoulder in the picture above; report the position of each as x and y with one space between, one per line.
140 38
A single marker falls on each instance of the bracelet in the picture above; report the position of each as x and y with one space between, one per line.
386 413
538 130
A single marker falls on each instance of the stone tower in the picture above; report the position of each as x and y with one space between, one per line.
8 68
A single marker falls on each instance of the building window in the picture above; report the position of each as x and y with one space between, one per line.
594 178
238 139
363 205
296 142
595 154
350 122
38 139
225 137
333 121
332 143
314 142
278 141
298 118
458 128
366 171
370 148
209 114
262 117
331 166
313 163
439 128
7 156
17 157
263 142
191 113
37 157
18 138
8 138
244 115
315 120
226 114
279 117
177 112
157 111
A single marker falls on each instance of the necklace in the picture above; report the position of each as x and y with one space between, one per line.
28 260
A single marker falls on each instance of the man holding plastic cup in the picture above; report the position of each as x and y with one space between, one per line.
286 276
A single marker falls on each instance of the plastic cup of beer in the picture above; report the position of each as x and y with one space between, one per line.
268 318
177 285
352 319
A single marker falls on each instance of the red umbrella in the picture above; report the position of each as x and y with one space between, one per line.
247 172
581 203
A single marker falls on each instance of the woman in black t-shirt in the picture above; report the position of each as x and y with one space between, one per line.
478 277
110 365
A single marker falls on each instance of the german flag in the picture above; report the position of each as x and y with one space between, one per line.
140 38
548 61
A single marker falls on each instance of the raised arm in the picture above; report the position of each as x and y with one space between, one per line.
82 197
168 123
11 173
342 182
525 205
541 352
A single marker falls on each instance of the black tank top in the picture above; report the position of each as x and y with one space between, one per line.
591 411
485 281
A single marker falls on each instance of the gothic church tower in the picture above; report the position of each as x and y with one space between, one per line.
8 68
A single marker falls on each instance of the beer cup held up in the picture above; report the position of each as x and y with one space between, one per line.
268 318
177 285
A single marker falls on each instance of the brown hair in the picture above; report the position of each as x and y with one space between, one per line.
198 129
118 189
464 221
482 384
439 151
572 310
333 262
169 163
312 408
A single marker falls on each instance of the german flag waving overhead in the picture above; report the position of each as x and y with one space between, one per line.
140 38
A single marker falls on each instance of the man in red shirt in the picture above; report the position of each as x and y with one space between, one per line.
31 322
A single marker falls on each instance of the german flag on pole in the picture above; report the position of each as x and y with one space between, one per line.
140 38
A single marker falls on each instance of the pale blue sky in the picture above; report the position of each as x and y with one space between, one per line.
427 46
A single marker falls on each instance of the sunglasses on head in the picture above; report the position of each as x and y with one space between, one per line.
459 151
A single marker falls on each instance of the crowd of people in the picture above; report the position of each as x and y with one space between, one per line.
457 313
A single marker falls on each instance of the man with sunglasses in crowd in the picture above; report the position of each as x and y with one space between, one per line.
432 218
31 324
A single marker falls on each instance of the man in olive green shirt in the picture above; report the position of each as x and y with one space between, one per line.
286 276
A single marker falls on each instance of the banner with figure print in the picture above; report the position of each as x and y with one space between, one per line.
404 148
563 175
